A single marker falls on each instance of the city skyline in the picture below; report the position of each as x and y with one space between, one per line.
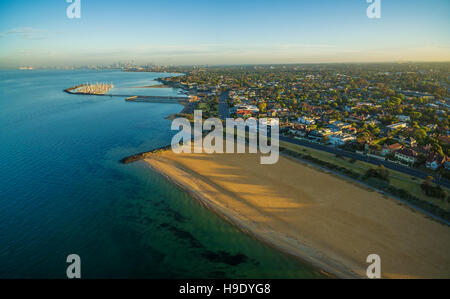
40 34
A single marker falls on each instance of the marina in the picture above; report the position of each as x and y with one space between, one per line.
102 89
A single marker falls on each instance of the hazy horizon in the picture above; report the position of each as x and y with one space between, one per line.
39 33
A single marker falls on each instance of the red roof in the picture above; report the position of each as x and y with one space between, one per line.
244 112
393 147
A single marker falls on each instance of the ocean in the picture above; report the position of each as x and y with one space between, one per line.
63 191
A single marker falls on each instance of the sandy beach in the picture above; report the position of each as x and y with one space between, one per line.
322 219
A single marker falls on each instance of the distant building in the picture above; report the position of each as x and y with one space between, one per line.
318 135
339 124
418 94
424 150
397 126
307 120
403 118
411 142
270 122
251 108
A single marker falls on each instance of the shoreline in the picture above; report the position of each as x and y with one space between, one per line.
287 249
304 246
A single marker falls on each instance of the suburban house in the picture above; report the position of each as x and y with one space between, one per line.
318 135
397 126
354 118
424 150
406 155
297 132
388 149
341 139
341 125
250 108
334 129
411 142
307 120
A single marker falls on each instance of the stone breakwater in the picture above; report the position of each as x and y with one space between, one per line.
141 156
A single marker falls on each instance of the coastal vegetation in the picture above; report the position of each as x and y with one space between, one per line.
433 190
380 173
394 183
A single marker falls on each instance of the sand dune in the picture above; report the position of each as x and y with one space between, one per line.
323 219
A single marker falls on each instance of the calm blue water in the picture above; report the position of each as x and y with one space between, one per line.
63 191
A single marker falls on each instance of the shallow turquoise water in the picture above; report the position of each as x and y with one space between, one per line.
63 191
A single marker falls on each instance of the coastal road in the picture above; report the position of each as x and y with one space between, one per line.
390 165
223 105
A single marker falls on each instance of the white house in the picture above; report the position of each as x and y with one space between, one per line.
406 155
341 139
270 121
397 126
307 120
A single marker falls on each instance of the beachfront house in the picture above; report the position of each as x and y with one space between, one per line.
341 139
406 155
388 149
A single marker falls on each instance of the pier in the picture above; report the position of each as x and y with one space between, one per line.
156 99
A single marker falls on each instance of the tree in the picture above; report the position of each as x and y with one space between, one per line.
262 107
381 173
420 135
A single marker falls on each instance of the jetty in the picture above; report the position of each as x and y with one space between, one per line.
157 99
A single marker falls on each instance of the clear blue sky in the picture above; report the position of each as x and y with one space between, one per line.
38 32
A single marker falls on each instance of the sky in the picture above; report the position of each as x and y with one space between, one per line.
38 32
